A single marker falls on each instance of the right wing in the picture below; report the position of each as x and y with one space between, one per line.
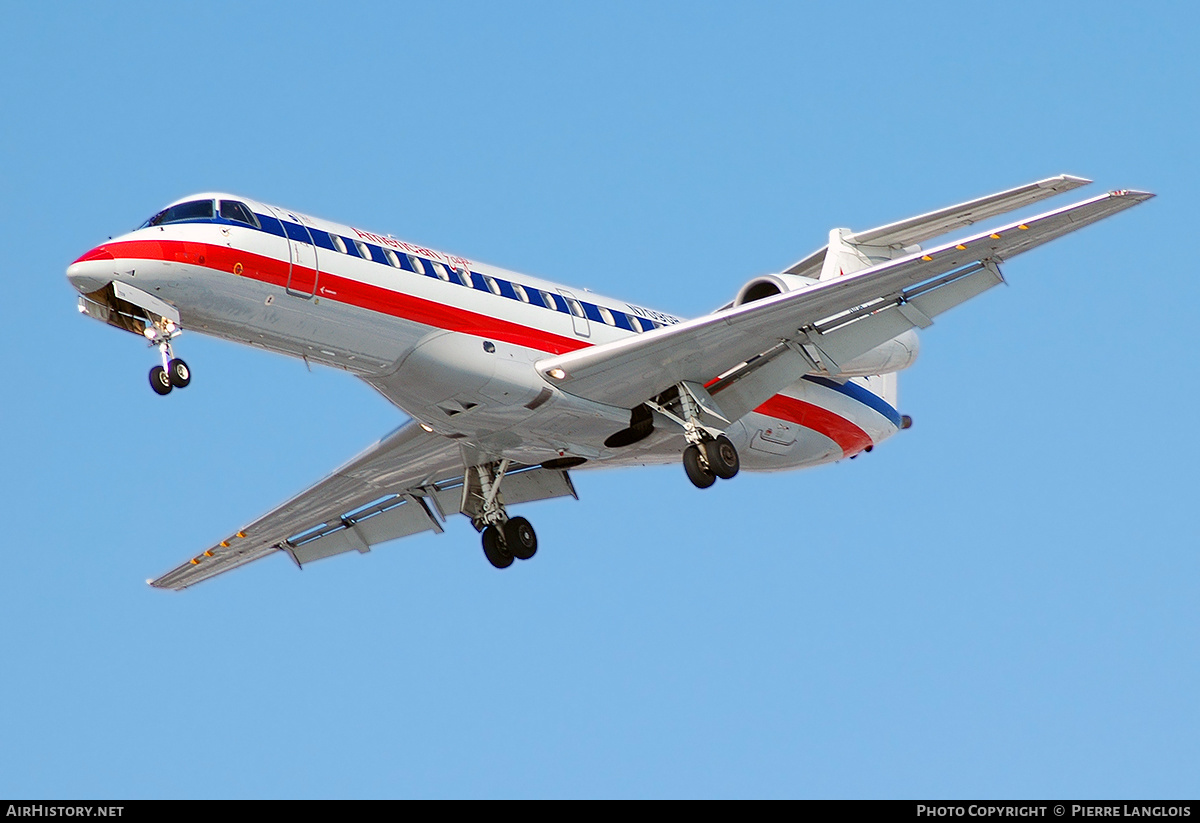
818 327
402 485
923 227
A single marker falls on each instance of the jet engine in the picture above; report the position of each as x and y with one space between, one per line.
892 356
770 285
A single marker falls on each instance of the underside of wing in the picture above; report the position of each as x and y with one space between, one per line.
405 484
408 458
814 322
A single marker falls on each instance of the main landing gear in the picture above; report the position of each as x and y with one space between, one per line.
709 459
709 454
174 372
504 538
512 539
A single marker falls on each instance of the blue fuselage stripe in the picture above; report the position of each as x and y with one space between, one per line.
857 392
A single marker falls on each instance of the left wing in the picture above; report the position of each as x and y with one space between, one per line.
402 485
818 327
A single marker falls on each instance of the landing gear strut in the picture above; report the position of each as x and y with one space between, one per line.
174 372
709 454
504 538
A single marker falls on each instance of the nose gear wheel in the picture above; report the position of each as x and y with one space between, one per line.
179 373
160 381
174 372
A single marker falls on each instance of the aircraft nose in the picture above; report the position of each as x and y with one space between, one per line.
91 271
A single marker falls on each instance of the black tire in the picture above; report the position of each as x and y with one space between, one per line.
520 538
179 372
701 477
494 550
159 380
722 457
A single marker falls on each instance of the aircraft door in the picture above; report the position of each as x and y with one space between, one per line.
578 317
303 268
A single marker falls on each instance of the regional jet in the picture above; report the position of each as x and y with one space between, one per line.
511 381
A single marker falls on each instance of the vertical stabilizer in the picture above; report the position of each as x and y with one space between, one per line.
844 256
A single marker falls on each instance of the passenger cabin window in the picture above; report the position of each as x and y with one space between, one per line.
391 257
416 264
492 285
338 243
576 309
194 210
606 316
522 295
441 272
462 276
363 251
238 212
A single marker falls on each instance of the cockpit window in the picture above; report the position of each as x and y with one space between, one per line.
195 210
233 210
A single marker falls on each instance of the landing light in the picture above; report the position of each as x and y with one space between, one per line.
426 427
557 374
150 332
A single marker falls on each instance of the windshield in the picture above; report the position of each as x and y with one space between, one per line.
194 210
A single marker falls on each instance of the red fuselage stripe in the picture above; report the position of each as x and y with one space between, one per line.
345 290
846 434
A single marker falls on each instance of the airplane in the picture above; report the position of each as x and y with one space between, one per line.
511 381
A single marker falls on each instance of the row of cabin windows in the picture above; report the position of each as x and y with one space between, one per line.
197 211
455 274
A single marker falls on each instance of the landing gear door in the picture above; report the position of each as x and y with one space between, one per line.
303 269
578 317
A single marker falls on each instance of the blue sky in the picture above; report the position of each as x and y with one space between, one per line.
1000 602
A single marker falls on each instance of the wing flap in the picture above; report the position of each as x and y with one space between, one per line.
746 389
627 372
404 516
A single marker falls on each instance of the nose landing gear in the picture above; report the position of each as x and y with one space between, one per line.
174 372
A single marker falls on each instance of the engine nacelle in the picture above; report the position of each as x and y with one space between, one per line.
895 355
770 285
